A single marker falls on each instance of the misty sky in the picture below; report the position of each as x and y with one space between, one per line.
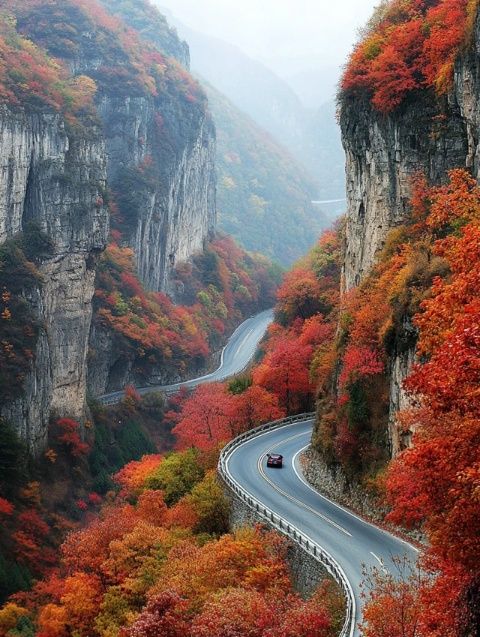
288 35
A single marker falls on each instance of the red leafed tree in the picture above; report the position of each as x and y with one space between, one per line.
299 295
304 619
410 45
87 550
207 418
359 362
30 541
6 507
151 507
447 23
165 615
436 482
393 603
285 373
254 407
68 434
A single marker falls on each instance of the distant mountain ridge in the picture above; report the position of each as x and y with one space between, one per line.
264 196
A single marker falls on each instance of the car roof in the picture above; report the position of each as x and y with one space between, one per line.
275 455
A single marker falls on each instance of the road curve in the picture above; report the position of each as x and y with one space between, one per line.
236 355
348 539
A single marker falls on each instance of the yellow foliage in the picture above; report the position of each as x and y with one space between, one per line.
9 616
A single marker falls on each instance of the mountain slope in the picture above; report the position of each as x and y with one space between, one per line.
264 196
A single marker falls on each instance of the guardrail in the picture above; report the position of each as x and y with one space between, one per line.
284 527
109 400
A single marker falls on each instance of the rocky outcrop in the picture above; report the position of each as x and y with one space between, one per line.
111 369
55 179
383 153
160 139
400 367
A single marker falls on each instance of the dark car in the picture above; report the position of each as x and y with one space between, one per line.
274 460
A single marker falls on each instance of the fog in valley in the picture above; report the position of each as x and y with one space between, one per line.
304 42
280 63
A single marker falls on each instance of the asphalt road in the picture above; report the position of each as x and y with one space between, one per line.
351 541
236 355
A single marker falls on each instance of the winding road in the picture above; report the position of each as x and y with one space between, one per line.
348 539
235 357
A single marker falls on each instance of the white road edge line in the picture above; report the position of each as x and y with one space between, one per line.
111 398
354 515
377 558
380 561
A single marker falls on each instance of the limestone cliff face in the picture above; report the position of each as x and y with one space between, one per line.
159 137
383 153
56 180
163 177
156 151
161 169
174 207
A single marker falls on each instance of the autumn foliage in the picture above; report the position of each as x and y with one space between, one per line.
220 288
409 46
213 415
297 350
422 295
143 568
129 64
30 79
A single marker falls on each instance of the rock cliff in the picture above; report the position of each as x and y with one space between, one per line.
161 167
159 137
383 153
151 146
54 179
425 134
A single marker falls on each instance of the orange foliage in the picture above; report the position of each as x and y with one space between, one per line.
435 484
134 475
410 45
297 352
139 569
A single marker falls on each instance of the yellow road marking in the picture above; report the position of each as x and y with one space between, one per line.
291 497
